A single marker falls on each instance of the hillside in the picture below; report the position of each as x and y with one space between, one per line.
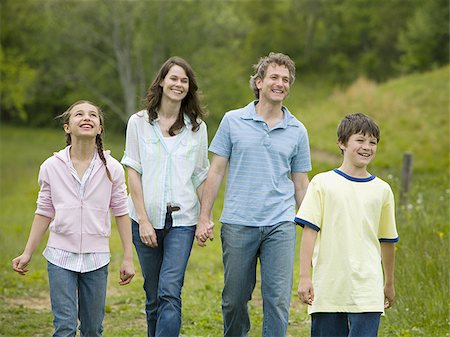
412 112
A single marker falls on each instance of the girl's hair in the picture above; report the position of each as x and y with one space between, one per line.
354 124
190 105
264 62
65 117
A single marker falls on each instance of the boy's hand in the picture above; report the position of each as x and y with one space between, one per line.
305 290
389 296
126 272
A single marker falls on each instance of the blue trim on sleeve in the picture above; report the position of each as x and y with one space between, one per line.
397 239
302 223
358 180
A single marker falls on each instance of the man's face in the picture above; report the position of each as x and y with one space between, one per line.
274 87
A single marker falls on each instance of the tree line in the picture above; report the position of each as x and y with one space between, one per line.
54 52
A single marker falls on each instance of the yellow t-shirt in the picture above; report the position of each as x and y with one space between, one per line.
352 216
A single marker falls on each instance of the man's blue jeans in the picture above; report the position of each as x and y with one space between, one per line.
91 289
163 269
338 324
242 246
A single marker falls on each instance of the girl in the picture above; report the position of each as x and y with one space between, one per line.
78 186
167 160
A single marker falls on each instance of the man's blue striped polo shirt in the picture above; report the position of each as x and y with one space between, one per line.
259 189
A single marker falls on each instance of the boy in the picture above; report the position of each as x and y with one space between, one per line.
349 229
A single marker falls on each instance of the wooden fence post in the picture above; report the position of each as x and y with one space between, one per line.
406 177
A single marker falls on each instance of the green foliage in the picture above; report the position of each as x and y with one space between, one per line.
56 52
424 42
411 112
17 80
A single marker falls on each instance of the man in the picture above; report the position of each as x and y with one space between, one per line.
267 150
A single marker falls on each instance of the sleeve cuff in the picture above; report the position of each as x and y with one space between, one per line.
47 213
397 239
127 161
218 152
302 223
200 178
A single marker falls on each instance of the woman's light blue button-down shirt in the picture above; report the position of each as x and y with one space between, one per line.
167 176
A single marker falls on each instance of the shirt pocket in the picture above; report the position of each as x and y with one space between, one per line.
96 221
67 220
151 146
187 149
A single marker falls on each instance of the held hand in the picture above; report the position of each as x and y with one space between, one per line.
147 234
126 272
20 263
389 296
305 290
204 231
211 230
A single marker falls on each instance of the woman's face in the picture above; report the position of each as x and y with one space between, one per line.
176 84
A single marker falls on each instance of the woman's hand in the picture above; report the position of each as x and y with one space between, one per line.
147 234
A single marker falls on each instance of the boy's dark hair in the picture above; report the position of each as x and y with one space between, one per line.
357 123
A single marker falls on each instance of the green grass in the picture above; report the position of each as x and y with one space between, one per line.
412 113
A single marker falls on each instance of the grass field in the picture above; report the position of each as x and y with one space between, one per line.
413 115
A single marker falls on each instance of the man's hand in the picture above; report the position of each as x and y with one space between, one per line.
204 231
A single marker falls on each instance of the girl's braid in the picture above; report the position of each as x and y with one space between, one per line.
99 143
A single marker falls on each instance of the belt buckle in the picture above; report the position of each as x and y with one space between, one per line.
172 208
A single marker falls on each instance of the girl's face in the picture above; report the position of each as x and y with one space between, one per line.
84 121
176 84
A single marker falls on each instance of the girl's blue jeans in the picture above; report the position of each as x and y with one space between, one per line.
363 324
76 296
163 269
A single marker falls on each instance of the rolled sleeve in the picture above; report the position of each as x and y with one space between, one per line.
131 157
118 203
202 165
44 201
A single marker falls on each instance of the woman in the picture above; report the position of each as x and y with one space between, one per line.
167 161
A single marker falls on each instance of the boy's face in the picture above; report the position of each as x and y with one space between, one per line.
359 150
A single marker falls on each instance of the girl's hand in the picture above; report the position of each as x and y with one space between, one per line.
20 263
126 272
147 234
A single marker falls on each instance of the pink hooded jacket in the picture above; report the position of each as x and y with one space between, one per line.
80 225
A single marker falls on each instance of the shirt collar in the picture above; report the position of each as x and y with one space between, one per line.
250 114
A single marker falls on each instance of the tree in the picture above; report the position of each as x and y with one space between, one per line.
424 42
